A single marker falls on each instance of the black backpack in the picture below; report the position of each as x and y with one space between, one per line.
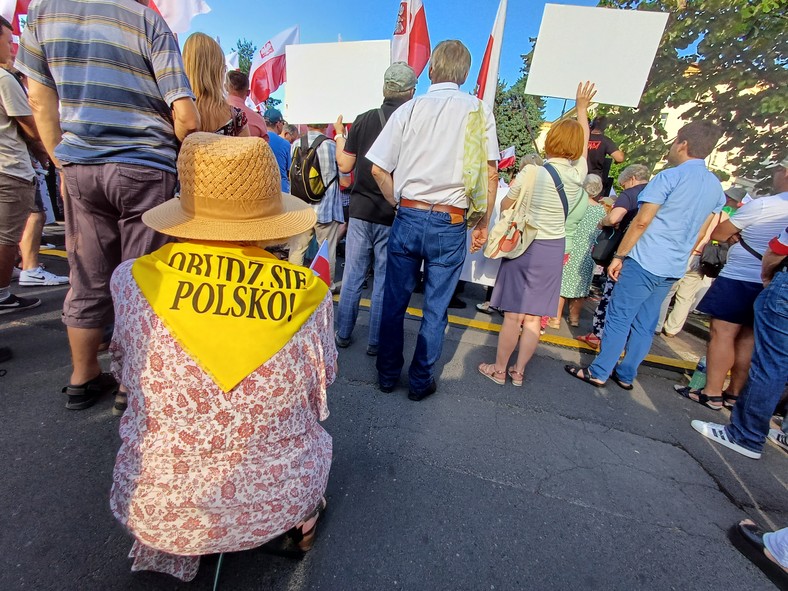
306 181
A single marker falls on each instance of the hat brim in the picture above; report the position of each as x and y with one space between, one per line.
169 218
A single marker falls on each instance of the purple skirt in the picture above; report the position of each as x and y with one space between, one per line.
531 283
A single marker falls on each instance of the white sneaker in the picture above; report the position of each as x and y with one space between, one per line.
46 246
717 433
15 273
36 277
779 438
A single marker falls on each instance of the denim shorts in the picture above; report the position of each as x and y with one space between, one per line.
731 300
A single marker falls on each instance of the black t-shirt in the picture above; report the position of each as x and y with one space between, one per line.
599 147
366 201
628 199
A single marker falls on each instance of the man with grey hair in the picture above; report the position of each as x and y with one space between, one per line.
371 215
291 133
633 179
418 162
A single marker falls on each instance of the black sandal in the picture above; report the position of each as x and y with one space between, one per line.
86 395
747 537
703 399
729 400
573 370
619 383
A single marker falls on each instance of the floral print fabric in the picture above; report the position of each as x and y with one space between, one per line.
200 471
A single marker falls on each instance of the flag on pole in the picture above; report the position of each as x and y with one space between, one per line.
11 10
487 83
269 69
411 41
179 13
232 60
507 158
320 265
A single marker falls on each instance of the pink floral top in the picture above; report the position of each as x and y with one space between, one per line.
200 471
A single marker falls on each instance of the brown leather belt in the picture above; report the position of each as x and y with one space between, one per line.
450 209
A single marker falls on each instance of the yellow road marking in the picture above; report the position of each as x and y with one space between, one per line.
549 339
55 253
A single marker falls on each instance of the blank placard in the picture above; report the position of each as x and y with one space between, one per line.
612 48
325 80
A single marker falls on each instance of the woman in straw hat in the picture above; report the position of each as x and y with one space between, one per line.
203 62
226 352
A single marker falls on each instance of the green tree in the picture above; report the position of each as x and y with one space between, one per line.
518 117
246 50
729 59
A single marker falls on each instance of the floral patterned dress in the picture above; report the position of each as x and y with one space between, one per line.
579 270
201 471
235 125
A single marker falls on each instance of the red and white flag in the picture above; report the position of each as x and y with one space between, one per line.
411 41
269 69
320 265
179 13
487 83
507 158
232 60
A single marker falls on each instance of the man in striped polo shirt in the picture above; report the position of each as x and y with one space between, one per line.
112 102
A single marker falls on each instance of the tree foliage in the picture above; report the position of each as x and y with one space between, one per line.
518 117
739 47
246 50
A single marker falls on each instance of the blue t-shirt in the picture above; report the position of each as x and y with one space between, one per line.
686 194
281 149
117 69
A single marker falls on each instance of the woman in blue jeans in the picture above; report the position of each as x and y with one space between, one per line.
750 418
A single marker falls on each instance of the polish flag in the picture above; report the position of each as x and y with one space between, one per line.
487 83
179 13
11 10
507 158
320 265
411 41
269 69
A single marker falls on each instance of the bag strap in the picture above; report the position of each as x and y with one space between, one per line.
304 147
559 186
527 190
382 118
750 249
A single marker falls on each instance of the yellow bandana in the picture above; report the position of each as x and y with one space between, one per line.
231 307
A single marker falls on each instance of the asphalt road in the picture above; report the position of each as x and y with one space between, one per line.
556 485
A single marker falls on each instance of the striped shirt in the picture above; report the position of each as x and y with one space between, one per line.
117 69
329 208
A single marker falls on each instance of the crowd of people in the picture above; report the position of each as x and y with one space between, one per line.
161 272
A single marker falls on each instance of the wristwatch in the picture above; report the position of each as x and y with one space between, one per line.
620 257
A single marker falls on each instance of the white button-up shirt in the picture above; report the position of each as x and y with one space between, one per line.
423 145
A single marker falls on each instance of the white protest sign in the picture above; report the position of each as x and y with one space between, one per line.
325 80
612 48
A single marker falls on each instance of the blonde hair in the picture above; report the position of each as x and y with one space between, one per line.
450 62
203 62
565 140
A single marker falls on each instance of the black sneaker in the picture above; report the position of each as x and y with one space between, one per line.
341 343
417 396
14 304
86 395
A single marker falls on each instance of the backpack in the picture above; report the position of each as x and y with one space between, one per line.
306 181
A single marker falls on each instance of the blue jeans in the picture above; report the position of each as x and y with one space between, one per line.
418 237
363 241
632 316
768 370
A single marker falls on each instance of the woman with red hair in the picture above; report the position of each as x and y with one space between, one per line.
528 286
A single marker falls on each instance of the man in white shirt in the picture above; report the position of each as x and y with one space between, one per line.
418 162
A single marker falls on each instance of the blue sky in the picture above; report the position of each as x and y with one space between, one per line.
323 21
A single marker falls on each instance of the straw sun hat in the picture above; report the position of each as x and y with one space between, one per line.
230 191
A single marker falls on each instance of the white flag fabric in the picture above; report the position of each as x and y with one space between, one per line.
487 83
232 60
269 68
179 13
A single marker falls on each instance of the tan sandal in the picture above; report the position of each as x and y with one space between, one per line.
516 381
488 370
305 537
